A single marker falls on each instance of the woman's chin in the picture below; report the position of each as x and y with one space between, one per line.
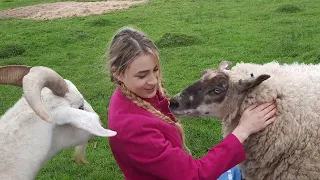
150 94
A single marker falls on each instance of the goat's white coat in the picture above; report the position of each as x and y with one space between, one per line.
27 142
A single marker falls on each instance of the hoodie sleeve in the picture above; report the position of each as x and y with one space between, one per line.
147 149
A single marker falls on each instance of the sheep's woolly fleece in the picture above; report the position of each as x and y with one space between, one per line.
49 11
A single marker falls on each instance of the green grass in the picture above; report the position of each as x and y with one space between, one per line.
191 35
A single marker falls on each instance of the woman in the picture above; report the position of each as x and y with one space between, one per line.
150 142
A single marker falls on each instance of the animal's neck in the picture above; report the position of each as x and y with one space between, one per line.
65 136
231 119
227 127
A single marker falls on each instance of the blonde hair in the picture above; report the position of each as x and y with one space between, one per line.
126 45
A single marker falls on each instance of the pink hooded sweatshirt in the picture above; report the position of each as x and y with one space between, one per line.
148 148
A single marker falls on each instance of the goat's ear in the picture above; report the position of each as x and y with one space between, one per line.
87 107
81 119
225 65
250 83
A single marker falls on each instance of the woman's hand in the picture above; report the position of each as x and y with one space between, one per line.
254 119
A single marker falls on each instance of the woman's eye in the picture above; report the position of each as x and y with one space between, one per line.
141 77
155 70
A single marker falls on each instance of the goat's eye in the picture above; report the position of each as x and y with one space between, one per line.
81 107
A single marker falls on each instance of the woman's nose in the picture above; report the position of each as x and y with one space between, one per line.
153 80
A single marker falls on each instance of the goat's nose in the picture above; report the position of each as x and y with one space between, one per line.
173 104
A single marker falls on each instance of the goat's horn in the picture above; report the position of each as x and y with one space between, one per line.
13 75
35 80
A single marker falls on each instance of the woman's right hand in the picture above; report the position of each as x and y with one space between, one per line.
254 119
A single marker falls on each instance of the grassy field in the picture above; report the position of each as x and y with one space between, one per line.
192 35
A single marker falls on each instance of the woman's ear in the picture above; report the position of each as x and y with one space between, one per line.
116 74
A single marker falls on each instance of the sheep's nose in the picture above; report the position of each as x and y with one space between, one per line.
174 104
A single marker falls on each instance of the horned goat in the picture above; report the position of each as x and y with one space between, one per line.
51 116
287 149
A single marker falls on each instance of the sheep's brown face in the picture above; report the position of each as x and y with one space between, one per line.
218 93
202 97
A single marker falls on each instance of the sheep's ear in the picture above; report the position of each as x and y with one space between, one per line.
250 83
225 65
81 119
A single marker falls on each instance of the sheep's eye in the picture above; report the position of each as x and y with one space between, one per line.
215 91
81 107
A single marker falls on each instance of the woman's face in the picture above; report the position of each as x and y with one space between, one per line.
141 76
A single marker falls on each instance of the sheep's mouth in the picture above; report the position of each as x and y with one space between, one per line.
186 113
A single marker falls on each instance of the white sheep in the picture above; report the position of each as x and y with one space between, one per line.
287 149
27 141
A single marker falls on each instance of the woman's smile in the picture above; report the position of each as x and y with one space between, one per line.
150 90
